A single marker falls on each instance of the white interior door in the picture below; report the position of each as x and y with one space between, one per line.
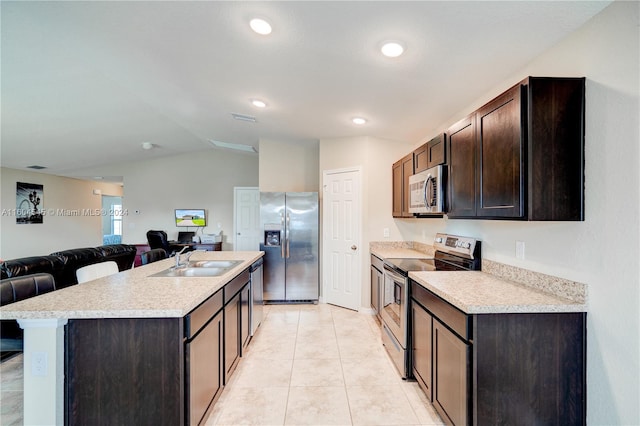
247 219
341 226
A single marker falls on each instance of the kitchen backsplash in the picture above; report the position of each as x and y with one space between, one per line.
549 284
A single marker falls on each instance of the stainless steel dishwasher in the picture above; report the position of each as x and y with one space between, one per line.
256 311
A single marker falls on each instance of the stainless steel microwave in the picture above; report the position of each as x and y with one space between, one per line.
426 191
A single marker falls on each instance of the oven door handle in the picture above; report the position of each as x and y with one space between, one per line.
393 274
397 293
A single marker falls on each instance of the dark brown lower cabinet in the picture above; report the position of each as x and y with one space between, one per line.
499 369
155 371
422 348
231 335
205 374
451 356
124 371
529 369
245 325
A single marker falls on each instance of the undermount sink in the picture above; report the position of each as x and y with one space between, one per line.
192 272
214 263
200 268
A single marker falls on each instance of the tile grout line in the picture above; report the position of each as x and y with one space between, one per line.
344 380
295 344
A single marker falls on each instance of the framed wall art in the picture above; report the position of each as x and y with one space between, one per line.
29 203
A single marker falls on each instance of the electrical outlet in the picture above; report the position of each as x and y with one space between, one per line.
385 232
520 250
39 365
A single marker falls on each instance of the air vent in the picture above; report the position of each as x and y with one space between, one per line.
243 117
236 146
34 167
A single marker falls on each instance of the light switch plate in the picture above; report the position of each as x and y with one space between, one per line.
385 232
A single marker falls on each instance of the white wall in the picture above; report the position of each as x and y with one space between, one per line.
205 179
603 251
59 230
288 166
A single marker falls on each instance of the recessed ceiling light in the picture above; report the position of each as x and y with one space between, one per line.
260 26
147 146
258 103
392 49
359 120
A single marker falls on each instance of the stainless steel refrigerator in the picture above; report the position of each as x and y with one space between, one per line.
289 221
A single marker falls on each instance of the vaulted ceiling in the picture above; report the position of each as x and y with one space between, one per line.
85 83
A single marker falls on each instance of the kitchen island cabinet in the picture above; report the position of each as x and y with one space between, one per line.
498 364
236 321
135 349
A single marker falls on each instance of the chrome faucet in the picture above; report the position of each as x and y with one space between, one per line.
185 257
177 256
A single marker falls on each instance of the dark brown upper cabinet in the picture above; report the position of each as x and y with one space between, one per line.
402 169
500 144
430 154
521 156
462 168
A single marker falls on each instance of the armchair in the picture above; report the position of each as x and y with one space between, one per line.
158 240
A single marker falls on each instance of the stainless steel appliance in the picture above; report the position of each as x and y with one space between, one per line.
290 224
426 191
256 312
453 253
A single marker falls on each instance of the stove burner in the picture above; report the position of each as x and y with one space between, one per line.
453 254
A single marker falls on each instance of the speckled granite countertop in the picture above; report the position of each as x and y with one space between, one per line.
476 292
499 289
132 293
407 250
407 253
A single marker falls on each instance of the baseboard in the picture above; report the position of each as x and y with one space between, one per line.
368 311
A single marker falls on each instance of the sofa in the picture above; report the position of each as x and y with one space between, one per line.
61 266
64 264
16 289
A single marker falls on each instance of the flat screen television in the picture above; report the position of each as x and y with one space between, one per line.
190 217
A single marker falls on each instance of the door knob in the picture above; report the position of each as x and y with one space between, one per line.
354 247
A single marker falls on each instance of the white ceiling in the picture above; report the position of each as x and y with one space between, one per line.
85 83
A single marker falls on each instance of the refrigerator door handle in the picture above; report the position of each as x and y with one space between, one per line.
282 235
287 233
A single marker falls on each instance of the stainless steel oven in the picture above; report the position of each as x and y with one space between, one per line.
452 253
395 299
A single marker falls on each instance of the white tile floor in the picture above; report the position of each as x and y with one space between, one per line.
307 365
319 365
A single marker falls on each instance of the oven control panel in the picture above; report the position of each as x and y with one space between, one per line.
461 246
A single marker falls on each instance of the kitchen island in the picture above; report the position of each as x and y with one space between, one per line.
78 339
